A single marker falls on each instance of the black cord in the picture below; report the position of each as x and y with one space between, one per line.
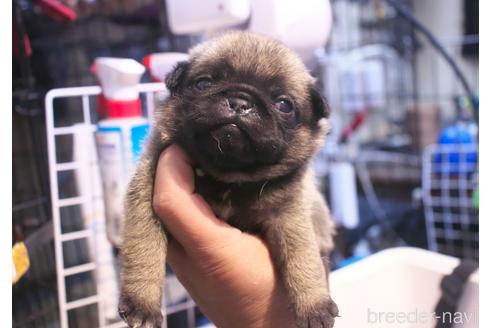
404 12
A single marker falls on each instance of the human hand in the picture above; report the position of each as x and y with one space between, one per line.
228 273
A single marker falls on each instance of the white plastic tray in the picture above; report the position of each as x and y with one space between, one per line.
399 287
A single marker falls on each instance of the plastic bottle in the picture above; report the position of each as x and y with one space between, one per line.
119 135
159 64
458 156
343 194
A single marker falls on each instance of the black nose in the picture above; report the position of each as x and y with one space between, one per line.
240 104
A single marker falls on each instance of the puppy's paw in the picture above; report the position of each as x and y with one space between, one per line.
321 315
137 316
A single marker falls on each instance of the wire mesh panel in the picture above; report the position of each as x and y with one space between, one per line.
450 180
87 280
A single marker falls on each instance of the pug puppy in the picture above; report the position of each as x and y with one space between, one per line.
246 111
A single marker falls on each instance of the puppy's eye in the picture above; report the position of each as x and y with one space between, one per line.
285 106
203 83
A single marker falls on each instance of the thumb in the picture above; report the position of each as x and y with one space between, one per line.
184 213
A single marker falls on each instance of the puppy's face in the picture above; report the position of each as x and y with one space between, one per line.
246 108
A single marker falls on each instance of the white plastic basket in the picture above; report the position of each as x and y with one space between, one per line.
449 178
400 288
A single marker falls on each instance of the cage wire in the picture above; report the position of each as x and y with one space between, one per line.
86 268
449 179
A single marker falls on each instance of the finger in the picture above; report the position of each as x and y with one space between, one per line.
185 214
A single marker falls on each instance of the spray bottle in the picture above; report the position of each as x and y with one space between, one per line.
119 135
161 63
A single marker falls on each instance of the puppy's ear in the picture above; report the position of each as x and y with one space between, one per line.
174 79
320 108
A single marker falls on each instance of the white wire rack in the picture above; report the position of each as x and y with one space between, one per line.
150 90
449 179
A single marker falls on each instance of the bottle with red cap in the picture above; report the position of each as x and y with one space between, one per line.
120 133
